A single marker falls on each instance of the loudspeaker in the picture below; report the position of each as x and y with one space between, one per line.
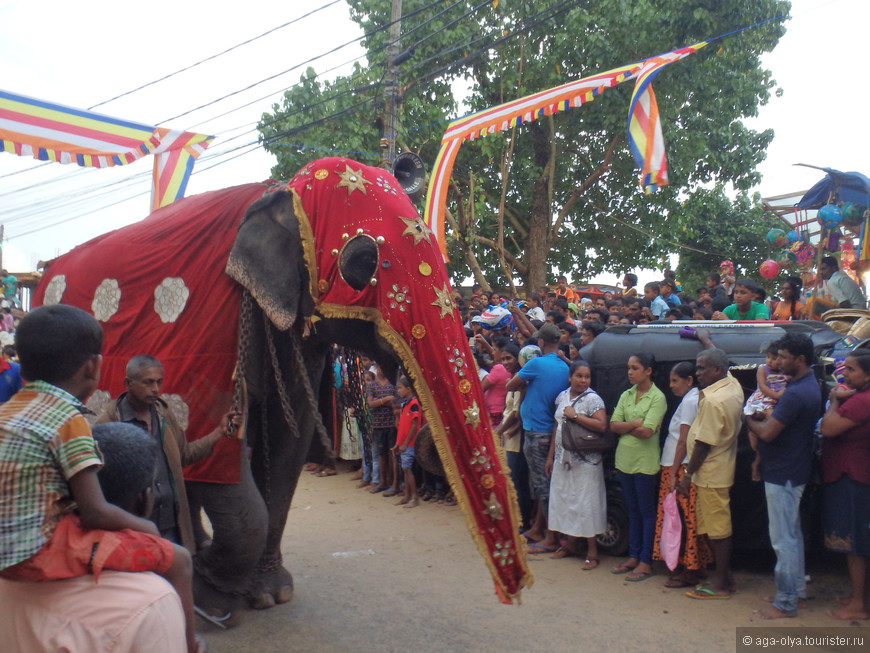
409 171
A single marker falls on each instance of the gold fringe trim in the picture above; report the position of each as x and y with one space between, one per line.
308 245
439 436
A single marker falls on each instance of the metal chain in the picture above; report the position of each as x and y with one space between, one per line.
245 313
319 428
286 407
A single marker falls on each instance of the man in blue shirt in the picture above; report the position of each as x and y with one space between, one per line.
544 378
786 434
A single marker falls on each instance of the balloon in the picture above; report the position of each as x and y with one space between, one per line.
853 214
769 269
793 237
786 260
805 254
830 216
777 238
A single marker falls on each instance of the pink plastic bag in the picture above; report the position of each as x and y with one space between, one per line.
672 531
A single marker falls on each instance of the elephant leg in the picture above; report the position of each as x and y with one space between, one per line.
223 570
276 468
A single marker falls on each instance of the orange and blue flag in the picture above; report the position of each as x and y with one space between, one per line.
644 124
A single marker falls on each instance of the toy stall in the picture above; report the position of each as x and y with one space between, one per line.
830 219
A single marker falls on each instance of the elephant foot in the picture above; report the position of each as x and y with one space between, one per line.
217 606
270 587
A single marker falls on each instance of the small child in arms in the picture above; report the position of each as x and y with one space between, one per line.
771 386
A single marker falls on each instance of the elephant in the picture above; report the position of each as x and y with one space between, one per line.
241 293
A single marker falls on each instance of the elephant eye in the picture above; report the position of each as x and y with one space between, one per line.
358 261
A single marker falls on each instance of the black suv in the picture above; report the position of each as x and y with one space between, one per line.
746 344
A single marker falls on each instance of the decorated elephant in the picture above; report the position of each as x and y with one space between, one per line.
241 293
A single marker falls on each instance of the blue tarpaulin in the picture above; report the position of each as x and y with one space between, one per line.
846 186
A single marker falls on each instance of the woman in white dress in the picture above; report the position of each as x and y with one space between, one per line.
578 502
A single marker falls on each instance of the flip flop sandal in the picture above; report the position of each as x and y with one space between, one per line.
391 493
621 569
639 576
589 564
705 593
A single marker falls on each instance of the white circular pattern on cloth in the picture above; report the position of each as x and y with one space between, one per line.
97 402
107 297
54 290
179 408
170 298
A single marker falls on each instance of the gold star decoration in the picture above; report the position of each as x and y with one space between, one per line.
444 301
472 415
352 180
416 228
493 507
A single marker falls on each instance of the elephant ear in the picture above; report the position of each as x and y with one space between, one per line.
267 259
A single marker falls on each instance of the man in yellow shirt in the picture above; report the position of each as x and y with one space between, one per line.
712 450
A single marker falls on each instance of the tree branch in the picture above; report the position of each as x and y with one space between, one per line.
585 185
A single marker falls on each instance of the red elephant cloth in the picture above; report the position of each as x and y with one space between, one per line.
158 287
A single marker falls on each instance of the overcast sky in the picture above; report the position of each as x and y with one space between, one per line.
91 51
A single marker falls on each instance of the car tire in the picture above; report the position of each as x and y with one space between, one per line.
614 540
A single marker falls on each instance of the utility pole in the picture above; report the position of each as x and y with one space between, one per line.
391 123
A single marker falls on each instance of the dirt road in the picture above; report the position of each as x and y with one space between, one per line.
374 577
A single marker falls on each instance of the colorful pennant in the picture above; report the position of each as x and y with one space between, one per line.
644 126
53 132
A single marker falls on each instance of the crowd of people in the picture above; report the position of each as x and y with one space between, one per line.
553 426
530 362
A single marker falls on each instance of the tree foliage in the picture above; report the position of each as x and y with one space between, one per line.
716 229
559 194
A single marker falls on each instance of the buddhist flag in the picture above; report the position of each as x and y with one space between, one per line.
52 132
644 124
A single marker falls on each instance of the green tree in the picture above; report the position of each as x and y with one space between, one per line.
559 194
717 229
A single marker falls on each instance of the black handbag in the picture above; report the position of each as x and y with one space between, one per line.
578 439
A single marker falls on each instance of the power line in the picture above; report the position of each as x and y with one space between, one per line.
527 24
215 56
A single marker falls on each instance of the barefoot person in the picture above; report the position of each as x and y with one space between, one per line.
410 421
846 477
786 435
712 448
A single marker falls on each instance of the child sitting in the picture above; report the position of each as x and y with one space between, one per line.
54 521
410 420
771 386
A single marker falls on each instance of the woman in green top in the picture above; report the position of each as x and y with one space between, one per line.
637 419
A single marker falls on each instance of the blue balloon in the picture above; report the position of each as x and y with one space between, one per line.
793 237
830 216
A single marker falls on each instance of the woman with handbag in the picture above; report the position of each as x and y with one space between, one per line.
696 554
636 420
578 498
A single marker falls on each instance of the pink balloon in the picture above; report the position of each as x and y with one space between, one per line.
769 269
